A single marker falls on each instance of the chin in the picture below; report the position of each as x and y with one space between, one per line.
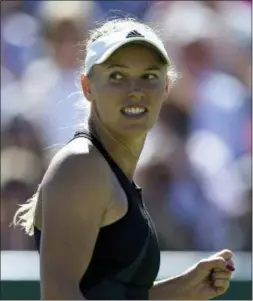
134 129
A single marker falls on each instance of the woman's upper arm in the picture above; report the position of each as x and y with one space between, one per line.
72 213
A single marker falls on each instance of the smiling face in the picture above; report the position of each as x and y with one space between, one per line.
127 91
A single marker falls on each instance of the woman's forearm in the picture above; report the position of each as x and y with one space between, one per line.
169 289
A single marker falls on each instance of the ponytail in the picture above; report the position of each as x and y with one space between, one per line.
24 216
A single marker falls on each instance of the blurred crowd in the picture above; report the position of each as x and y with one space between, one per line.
195 169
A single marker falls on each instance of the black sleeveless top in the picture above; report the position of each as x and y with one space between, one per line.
126 257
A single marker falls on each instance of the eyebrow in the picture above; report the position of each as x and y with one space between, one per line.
152 68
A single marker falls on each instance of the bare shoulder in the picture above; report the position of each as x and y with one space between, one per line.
77 171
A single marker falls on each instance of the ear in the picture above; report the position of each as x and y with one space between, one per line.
86 86
166 88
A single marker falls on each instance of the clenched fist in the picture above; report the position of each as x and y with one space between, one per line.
210 277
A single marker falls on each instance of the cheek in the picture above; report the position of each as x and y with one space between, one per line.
107 99
116 92
156 95
110 95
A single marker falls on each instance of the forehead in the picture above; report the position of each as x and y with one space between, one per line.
133 53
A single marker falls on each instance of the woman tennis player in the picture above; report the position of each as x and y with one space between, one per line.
94 234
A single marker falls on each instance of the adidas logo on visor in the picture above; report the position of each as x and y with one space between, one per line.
134 34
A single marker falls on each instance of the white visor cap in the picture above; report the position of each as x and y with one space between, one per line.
102 48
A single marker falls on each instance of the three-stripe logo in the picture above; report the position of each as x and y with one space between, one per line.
134 34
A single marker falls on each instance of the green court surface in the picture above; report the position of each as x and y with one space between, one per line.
29 290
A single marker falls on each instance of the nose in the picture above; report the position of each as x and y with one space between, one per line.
136 95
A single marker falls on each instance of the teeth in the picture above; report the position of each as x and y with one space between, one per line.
133 111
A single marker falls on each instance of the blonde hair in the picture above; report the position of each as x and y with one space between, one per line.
24 216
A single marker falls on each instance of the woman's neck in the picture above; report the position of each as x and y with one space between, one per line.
125 151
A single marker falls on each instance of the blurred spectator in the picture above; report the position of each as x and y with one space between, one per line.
51 80
18 48
22 167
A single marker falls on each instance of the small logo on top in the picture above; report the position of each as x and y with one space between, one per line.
134 34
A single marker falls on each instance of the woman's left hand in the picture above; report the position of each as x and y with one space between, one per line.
210 277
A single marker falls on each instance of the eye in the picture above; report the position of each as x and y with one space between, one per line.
116 76
150 76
